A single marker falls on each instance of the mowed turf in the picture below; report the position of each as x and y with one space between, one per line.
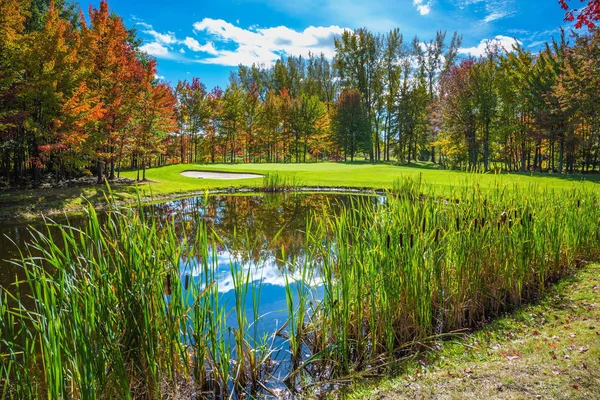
168 179
167 182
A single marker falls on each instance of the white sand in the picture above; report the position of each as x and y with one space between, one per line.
218 175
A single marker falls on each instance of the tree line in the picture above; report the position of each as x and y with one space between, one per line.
78 97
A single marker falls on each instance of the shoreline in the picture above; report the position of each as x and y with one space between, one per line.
19 217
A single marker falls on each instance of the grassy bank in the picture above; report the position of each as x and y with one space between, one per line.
550 350
115 314
167 182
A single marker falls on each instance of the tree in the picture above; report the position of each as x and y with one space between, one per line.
352 124
154 117
117 75
486 98
585 16
578 92
435 59
65 110
458 104
193 113
232 118
358 64
12 81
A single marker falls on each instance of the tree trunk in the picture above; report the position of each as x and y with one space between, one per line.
561 155
99 170
486 146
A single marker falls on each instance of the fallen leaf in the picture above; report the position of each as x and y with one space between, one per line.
576 387
535 332
511 358
566 357
583 349
572 335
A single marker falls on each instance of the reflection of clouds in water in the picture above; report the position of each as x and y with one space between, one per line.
266 272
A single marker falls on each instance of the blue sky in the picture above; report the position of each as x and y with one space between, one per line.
208 39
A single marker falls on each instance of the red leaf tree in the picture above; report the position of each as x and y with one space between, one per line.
584 16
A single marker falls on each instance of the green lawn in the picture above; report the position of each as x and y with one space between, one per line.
168 180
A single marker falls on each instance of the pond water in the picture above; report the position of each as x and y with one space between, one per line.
261 235
272 222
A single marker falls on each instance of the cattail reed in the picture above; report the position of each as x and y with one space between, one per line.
374 297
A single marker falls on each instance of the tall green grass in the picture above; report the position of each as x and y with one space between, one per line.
115 311
275 182
113 316
397 274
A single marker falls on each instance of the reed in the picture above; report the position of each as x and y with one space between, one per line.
112 317
275 182
415 267
129 306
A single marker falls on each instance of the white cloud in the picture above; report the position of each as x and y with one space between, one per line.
160 77
422 7
144 25
495 15
231 45
167 46
155 49
194 45
264 45
162 38
494 9
503 42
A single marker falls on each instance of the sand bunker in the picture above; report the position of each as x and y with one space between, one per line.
219 175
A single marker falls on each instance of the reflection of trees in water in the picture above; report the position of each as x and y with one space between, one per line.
264 225
254 228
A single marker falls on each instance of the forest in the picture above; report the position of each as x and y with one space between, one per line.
78 97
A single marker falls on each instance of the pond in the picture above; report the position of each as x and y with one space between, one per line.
272 221
260 238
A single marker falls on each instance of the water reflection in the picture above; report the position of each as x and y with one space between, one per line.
259 232
259 237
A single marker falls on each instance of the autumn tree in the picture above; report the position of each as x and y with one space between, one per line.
458 103
12 49
586 16
154 116
116 74
193 112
